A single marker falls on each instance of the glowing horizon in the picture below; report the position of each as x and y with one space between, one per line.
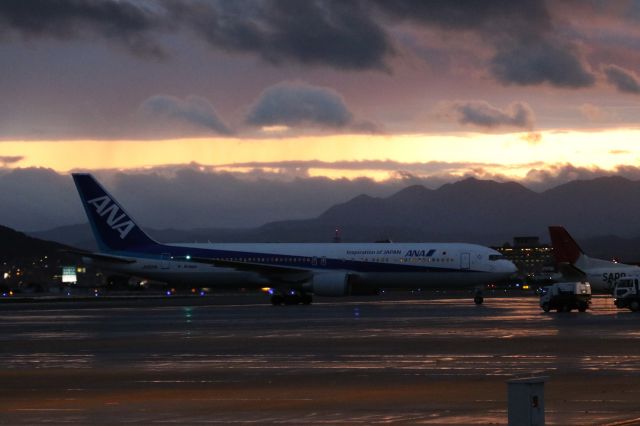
496 153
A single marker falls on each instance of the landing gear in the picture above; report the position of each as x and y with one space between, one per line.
306 299
478 297
291 298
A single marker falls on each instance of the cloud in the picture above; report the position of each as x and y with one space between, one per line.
541 61
624 80
557 174
296 104
124 22
489 17
6 160
423 168
195 196
339 34
532 138
34 198
529 49
194 110
596 113
482 114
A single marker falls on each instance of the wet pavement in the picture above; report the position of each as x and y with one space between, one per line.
402 359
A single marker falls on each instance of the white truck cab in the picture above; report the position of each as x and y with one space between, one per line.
566 296
626 293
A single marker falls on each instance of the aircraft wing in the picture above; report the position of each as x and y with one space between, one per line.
101 256
248 266
570 272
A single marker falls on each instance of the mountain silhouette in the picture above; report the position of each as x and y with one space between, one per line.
471 210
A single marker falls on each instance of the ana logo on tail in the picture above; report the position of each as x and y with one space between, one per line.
119 223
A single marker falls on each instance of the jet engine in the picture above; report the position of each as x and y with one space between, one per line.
331 284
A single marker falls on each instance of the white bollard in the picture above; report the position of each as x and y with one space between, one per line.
526 401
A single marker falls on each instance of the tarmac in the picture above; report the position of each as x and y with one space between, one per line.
402 358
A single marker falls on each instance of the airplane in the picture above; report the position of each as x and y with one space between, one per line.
601 274
291 272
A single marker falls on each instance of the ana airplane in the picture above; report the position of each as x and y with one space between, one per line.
601 274
292 272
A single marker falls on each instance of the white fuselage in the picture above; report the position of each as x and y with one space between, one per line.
603 274
379 265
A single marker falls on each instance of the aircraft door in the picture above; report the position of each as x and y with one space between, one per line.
465 261
164 260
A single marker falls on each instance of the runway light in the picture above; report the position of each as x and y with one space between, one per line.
188 257
168 292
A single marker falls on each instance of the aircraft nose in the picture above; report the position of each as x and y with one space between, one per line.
510 267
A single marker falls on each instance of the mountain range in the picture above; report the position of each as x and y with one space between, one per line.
603 210
19 246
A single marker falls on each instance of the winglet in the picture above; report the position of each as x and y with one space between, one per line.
565 249
112 226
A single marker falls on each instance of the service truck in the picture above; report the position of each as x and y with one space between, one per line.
626 293
566 296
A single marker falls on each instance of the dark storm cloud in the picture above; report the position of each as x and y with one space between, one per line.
194 110
540 61
188 197
351 35
179 196
490 17
293 104
341 34
521 32
482 114
625 81
124 22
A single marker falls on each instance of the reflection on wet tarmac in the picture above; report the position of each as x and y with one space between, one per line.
45 360
354 361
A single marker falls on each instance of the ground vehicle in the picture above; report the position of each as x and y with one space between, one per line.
566 296
626 293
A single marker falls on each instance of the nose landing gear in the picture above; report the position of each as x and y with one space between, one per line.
478 298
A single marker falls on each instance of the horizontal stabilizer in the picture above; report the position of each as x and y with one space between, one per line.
101 257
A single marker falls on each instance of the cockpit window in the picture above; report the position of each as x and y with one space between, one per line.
496 257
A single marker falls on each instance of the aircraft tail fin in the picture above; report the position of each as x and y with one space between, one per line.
565 249
113 228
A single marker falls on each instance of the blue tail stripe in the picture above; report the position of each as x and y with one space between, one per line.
114 229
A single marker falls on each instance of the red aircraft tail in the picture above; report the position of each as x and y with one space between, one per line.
565 248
